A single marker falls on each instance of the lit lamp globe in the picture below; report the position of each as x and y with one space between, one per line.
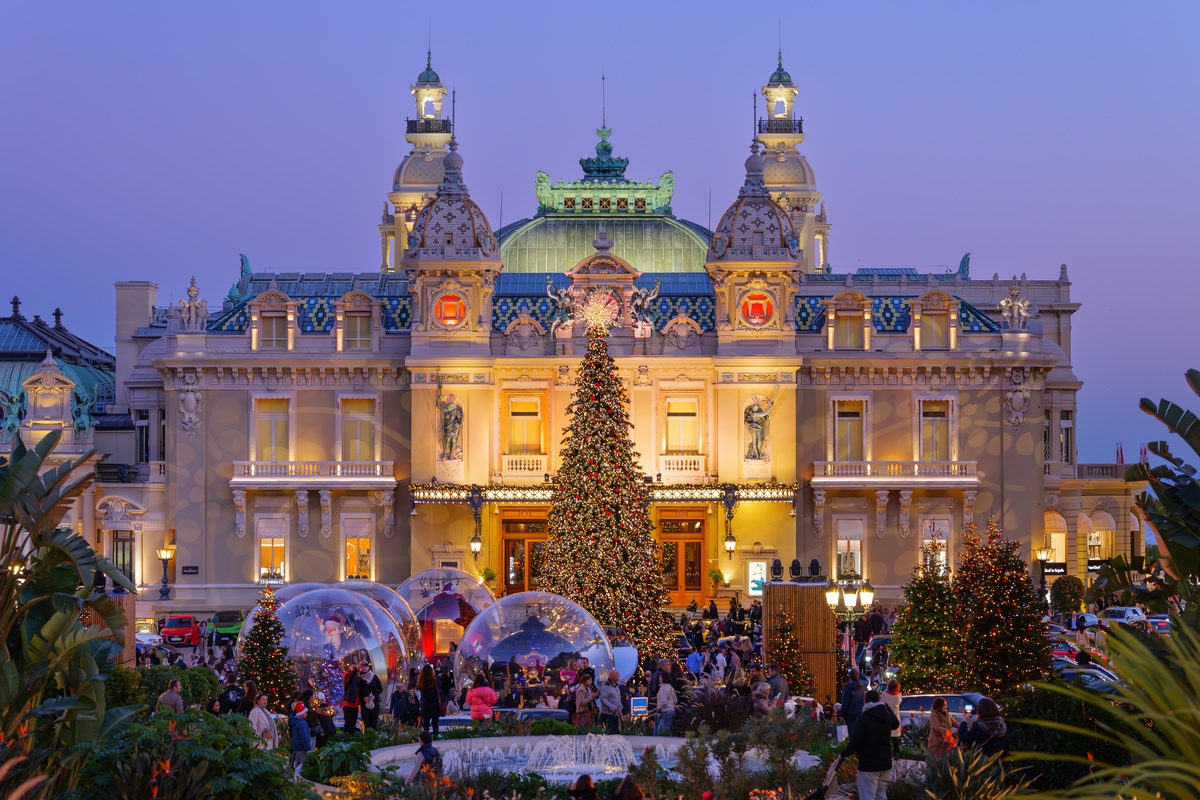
867 594
526 639
398 608
326 630
444 601
832 594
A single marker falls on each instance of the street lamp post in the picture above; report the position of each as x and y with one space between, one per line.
730 501
165 555
849 597
476 503
1042 555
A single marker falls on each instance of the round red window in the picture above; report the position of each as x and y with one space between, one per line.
757 308
450 310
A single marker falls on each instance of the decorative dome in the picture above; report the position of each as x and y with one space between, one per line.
452 220
326 629
755 226
532 635
397 607
445 601
421 170
778 77
428 75
788 168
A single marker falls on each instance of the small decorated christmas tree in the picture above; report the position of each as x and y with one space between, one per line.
600 552
927 636
1003 640
262 659
784 650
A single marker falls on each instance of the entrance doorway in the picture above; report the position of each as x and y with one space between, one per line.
681 537
523 545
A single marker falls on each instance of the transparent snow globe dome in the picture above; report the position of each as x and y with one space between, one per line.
444 602
525 640
282 594
327 629
398 608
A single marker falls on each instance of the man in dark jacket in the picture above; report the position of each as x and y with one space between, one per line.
370 695
853 698
871 739
351 693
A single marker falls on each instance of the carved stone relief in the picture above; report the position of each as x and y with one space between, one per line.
881 501
302 512
385 499
818 513
326 512
1016 398
905 505
239 511
191 404
969 507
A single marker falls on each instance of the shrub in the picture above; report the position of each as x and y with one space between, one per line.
199 686
1025 713
716 713
552 727
211 757
124 688
779 738
474 730
1066 594
967 774
337 759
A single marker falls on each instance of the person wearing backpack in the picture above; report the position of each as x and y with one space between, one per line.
429 761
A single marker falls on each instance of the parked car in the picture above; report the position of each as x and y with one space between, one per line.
914 708
1063 648
1066 664
164 651
1160 624
225 626
181 630
1091 679
147 638
1126 614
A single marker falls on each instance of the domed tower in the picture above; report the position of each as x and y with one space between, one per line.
755 262
420 173
451 265
786 172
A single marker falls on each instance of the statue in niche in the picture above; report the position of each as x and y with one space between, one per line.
562 306
641 304
14 412
452 420
757 419
82 407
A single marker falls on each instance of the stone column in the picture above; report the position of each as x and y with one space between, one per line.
87 502
1069 504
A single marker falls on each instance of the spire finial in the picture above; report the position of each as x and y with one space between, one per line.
58 315
16 307
603 104
429 46
754 119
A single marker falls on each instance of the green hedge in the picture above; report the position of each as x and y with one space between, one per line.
143 685
1024 711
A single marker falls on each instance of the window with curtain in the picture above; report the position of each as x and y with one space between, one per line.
849 430
357 546
935 331
849 546
848 331
683 434
271 533
357 332
273 330
358 430
524 426
272 429
935 430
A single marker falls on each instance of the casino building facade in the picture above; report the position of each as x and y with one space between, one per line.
375 423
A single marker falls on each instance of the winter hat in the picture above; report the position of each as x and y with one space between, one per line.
299 709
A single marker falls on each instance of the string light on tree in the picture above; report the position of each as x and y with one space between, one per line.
599 550
784 650
927 636
263 660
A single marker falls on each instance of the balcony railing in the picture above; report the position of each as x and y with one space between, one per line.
152 472
781 125
524 467
428 126
315 473
675 468
895 472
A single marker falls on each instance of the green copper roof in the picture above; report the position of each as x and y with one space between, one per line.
780 74
428 76
554 243
604 168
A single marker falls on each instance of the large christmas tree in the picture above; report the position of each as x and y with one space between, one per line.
1004 645
783 650
927 635
600 552
262 659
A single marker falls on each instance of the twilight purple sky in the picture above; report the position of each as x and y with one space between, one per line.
157 141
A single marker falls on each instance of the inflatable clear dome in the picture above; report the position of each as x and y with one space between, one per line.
444 602
398 608
282 594
531 641
326 629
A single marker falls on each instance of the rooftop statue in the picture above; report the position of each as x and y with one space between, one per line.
14 412
82 407
193 311
964 266
1016 310
541 185
641 304
563 306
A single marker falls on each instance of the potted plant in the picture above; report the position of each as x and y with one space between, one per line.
716 576
487 575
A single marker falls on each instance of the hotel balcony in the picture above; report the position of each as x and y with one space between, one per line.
313 475
151 472
688 468
524 468
886 474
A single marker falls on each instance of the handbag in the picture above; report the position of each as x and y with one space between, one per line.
843 733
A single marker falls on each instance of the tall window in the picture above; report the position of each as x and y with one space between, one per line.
274 332
141 432
1066 435
357 544
358 430
683 433
935 535
122 553
272 420
849 546
271 533
848 331
935 430
524 426
357 332
935 331
849 430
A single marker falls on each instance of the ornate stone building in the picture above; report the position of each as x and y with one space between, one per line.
376 423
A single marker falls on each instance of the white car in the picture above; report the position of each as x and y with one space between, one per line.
1126 614
148 638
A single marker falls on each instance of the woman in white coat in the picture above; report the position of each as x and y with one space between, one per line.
263 722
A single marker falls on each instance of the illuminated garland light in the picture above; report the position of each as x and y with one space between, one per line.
927 636
783 650
600 551
599 312
262 659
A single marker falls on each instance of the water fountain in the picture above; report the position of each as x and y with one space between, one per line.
593 754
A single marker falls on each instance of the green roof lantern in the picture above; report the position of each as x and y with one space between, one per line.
780 74
428 76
